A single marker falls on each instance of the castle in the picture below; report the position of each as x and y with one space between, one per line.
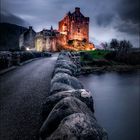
27 39
46 40
75 26
72 34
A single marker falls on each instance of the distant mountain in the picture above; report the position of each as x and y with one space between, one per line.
9 36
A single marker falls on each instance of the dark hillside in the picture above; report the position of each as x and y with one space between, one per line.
9 36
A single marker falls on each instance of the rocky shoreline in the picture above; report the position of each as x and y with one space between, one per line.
112 68
68 112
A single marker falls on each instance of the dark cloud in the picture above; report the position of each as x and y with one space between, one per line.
129 10
104 19
128 27
108 18
10 18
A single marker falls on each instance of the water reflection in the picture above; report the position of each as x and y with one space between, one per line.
117 103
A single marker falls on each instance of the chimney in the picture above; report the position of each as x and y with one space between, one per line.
77 9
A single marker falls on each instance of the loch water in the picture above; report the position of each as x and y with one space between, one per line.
117 103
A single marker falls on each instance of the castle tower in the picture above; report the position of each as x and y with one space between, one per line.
75 25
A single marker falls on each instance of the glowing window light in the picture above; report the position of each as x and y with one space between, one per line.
27 49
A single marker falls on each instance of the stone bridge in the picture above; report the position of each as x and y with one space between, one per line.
44 100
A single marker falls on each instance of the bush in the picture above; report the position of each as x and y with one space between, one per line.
26 56
15 58
5 60
111 55
86 56
47 54
132 58
8 58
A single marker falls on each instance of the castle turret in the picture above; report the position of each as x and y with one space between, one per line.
75 25
51 28
77 9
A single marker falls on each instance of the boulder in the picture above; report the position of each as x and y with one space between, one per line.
67 79
62 109
52 100
78 126
58 87
67 65
69 62
63 57
62 70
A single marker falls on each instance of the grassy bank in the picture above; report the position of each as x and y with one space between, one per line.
105 60
97 54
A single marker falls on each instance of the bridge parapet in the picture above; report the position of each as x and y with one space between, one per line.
68 112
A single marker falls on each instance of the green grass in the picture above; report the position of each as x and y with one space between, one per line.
98 54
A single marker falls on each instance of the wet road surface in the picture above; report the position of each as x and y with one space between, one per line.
22 92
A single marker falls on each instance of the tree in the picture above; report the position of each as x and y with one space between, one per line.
120 46
105 46
125 46
114 44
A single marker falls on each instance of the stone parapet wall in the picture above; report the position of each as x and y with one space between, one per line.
68 111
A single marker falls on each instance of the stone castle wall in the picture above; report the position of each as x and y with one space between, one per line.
45 43
27 39
75 26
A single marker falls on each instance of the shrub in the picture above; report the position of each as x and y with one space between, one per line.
111 55
5 59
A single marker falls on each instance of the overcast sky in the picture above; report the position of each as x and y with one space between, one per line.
108 18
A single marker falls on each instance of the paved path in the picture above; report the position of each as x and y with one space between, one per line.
22 92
